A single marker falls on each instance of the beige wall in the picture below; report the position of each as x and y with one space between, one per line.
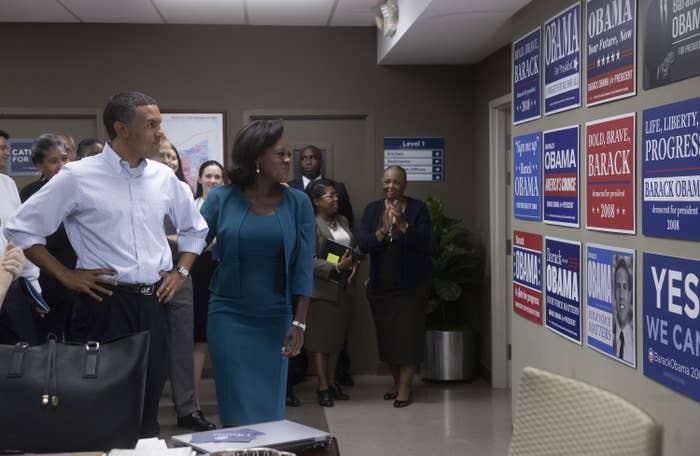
238 69
537 346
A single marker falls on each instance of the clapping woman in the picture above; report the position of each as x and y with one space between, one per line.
330 303
395 231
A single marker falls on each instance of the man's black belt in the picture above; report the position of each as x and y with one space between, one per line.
143 289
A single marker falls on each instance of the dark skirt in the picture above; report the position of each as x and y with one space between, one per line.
202 272
399 319
327 322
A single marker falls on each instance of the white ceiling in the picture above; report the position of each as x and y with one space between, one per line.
355 13
446 32
451 32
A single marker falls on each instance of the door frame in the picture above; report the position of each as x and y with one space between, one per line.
323 114
57 113
497 251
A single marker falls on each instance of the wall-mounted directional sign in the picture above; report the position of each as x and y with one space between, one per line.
422 158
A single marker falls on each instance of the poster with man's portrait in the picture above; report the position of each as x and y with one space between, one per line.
610 303
671 41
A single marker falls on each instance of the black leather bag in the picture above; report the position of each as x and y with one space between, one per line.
65 397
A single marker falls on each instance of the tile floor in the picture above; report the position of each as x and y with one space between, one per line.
445 419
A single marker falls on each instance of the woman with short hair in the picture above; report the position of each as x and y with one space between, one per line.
265 236
395 231
49 156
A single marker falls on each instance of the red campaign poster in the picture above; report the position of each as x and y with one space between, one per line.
527 275
610 194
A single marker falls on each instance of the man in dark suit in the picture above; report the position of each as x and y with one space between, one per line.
311 163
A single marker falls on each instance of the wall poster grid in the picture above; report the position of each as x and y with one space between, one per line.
670 187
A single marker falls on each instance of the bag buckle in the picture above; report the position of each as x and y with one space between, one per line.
92 345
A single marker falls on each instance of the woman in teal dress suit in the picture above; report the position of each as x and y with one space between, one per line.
265 235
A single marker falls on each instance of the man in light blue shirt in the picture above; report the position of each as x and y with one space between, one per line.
112 206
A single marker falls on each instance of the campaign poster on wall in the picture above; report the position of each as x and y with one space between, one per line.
563 288
671 323
671 171
610 170
527 275
610 303
671 41
561 160
611 50
527 176
526 77
19 162
562 60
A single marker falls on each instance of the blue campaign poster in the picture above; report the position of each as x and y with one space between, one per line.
562 60
527 177
526 77
563 288
671 171
671 324
561 163
20 161
610 50
610 304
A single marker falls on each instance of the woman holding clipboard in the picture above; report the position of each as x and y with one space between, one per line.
334 269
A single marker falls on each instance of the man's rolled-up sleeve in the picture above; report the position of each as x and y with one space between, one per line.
191 227
42 214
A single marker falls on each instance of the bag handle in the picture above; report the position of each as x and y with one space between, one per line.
50 388
16 360
92 349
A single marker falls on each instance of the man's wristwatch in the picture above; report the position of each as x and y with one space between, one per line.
183 271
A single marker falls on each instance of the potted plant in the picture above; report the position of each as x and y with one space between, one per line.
458 264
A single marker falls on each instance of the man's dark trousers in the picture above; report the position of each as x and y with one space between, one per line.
127 313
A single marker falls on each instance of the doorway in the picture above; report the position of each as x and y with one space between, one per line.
346 140
500 238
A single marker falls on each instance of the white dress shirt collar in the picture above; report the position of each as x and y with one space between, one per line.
306 181
119 165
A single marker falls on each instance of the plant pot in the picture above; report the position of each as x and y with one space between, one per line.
449 355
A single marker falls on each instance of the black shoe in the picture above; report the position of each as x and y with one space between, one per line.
195 421
390 395
399 404
325 397
337 393
292 400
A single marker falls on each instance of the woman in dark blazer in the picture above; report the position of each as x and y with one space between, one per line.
329 308
395 231
49 156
